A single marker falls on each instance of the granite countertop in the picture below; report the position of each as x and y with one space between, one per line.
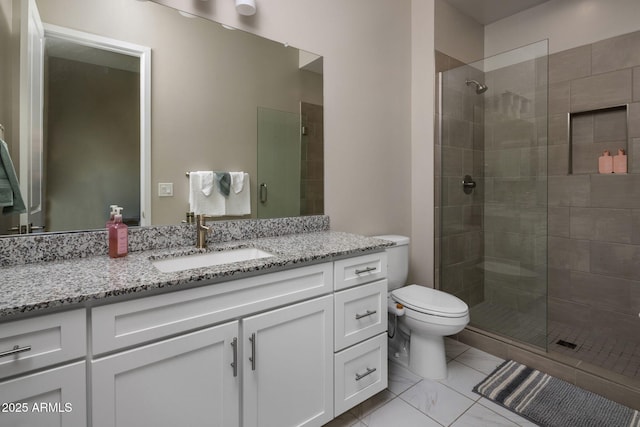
46 285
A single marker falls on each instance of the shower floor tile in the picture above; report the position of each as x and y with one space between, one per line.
617 355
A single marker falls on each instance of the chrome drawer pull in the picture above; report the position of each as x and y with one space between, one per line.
15 350
369 372
366 270
368 313
234 364
252 338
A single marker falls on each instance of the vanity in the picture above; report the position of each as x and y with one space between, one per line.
291 339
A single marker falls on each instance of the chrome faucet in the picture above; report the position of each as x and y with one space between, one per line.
202 230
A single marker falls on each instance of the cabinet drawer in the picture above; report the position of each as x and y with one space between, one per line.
361 372
359 270
54 398
361 313
143 320
42 341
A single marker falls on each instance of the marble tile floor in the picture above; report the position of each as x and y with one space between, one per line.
411 401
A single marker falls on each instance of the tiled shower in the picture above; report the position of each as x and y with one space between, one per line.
546 251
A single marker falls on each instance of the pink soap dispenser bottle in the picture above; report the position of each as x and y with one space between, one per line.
605 162
620 162
118 236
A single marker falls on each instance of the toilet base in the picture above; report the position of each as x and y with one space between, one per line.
427 356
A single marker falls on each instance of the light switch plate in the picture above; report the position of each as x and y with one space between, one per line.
165 189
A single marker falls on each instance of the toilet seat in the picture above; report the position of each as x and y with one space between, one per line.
430 301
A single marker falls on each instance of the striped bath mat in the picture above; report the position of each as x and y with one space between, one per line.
551 402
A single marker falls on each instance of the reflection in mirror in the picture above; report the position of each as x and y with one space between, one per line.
93 132
208 84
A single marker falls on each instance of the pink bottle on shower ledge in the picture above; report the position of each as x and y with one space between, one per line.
620 162
605 162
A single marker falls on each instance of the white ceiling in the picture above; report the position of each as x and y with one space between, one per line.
488 11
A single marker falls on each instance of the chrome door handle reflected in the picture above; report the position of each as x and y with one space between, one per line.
264 193
368 313
369 372
15 350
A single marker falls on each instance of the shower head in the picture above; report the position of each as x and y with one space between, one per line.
480 88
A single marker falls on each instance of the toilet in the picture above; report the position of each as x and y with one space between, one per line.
427 316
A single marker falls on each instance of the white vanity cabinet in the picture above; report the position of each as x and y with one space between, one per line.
360 360
184 381
288 366
152 368
42 380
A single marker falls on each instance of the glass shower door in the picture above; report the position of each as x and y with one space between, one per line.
493 195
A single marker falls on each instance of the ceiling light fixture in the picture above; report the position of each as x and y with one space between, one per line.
246 7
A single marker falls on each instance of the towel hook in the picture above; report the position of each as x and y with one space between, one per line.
1 132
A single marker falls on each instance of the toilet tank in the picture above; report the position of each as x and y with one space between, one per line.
397 260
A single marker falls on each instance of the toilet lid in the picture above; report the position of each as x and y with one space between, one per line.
430 301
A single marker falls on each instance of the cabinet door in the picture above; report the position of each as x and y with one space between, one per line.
56 397
184 381
288 366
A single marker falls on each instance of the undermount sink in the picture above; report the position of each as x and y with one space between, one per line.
187 262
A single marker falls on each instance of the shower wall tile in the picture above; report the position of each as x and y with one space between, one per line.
616 53
502 163
459 133
452 160
558 160
513 133
602 292
570 64
636 84
570 254
501 217
635 227
605 225
582 128
602 90
558 129
559 221
451 220
559 283
559 97
634 298
615 190
568 312
570 190
634 156
616 260
611 125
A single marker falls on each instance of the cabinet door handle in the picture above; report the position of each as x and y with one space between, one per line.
234 364
15 350
366 270
368 313
263 193
369 372
252 338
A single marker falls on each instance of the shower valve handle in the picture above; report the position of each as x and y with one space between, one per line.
468 184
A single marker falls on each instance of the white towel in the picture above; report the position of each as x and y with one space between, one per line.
199 202
237 181
240 203
206 182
